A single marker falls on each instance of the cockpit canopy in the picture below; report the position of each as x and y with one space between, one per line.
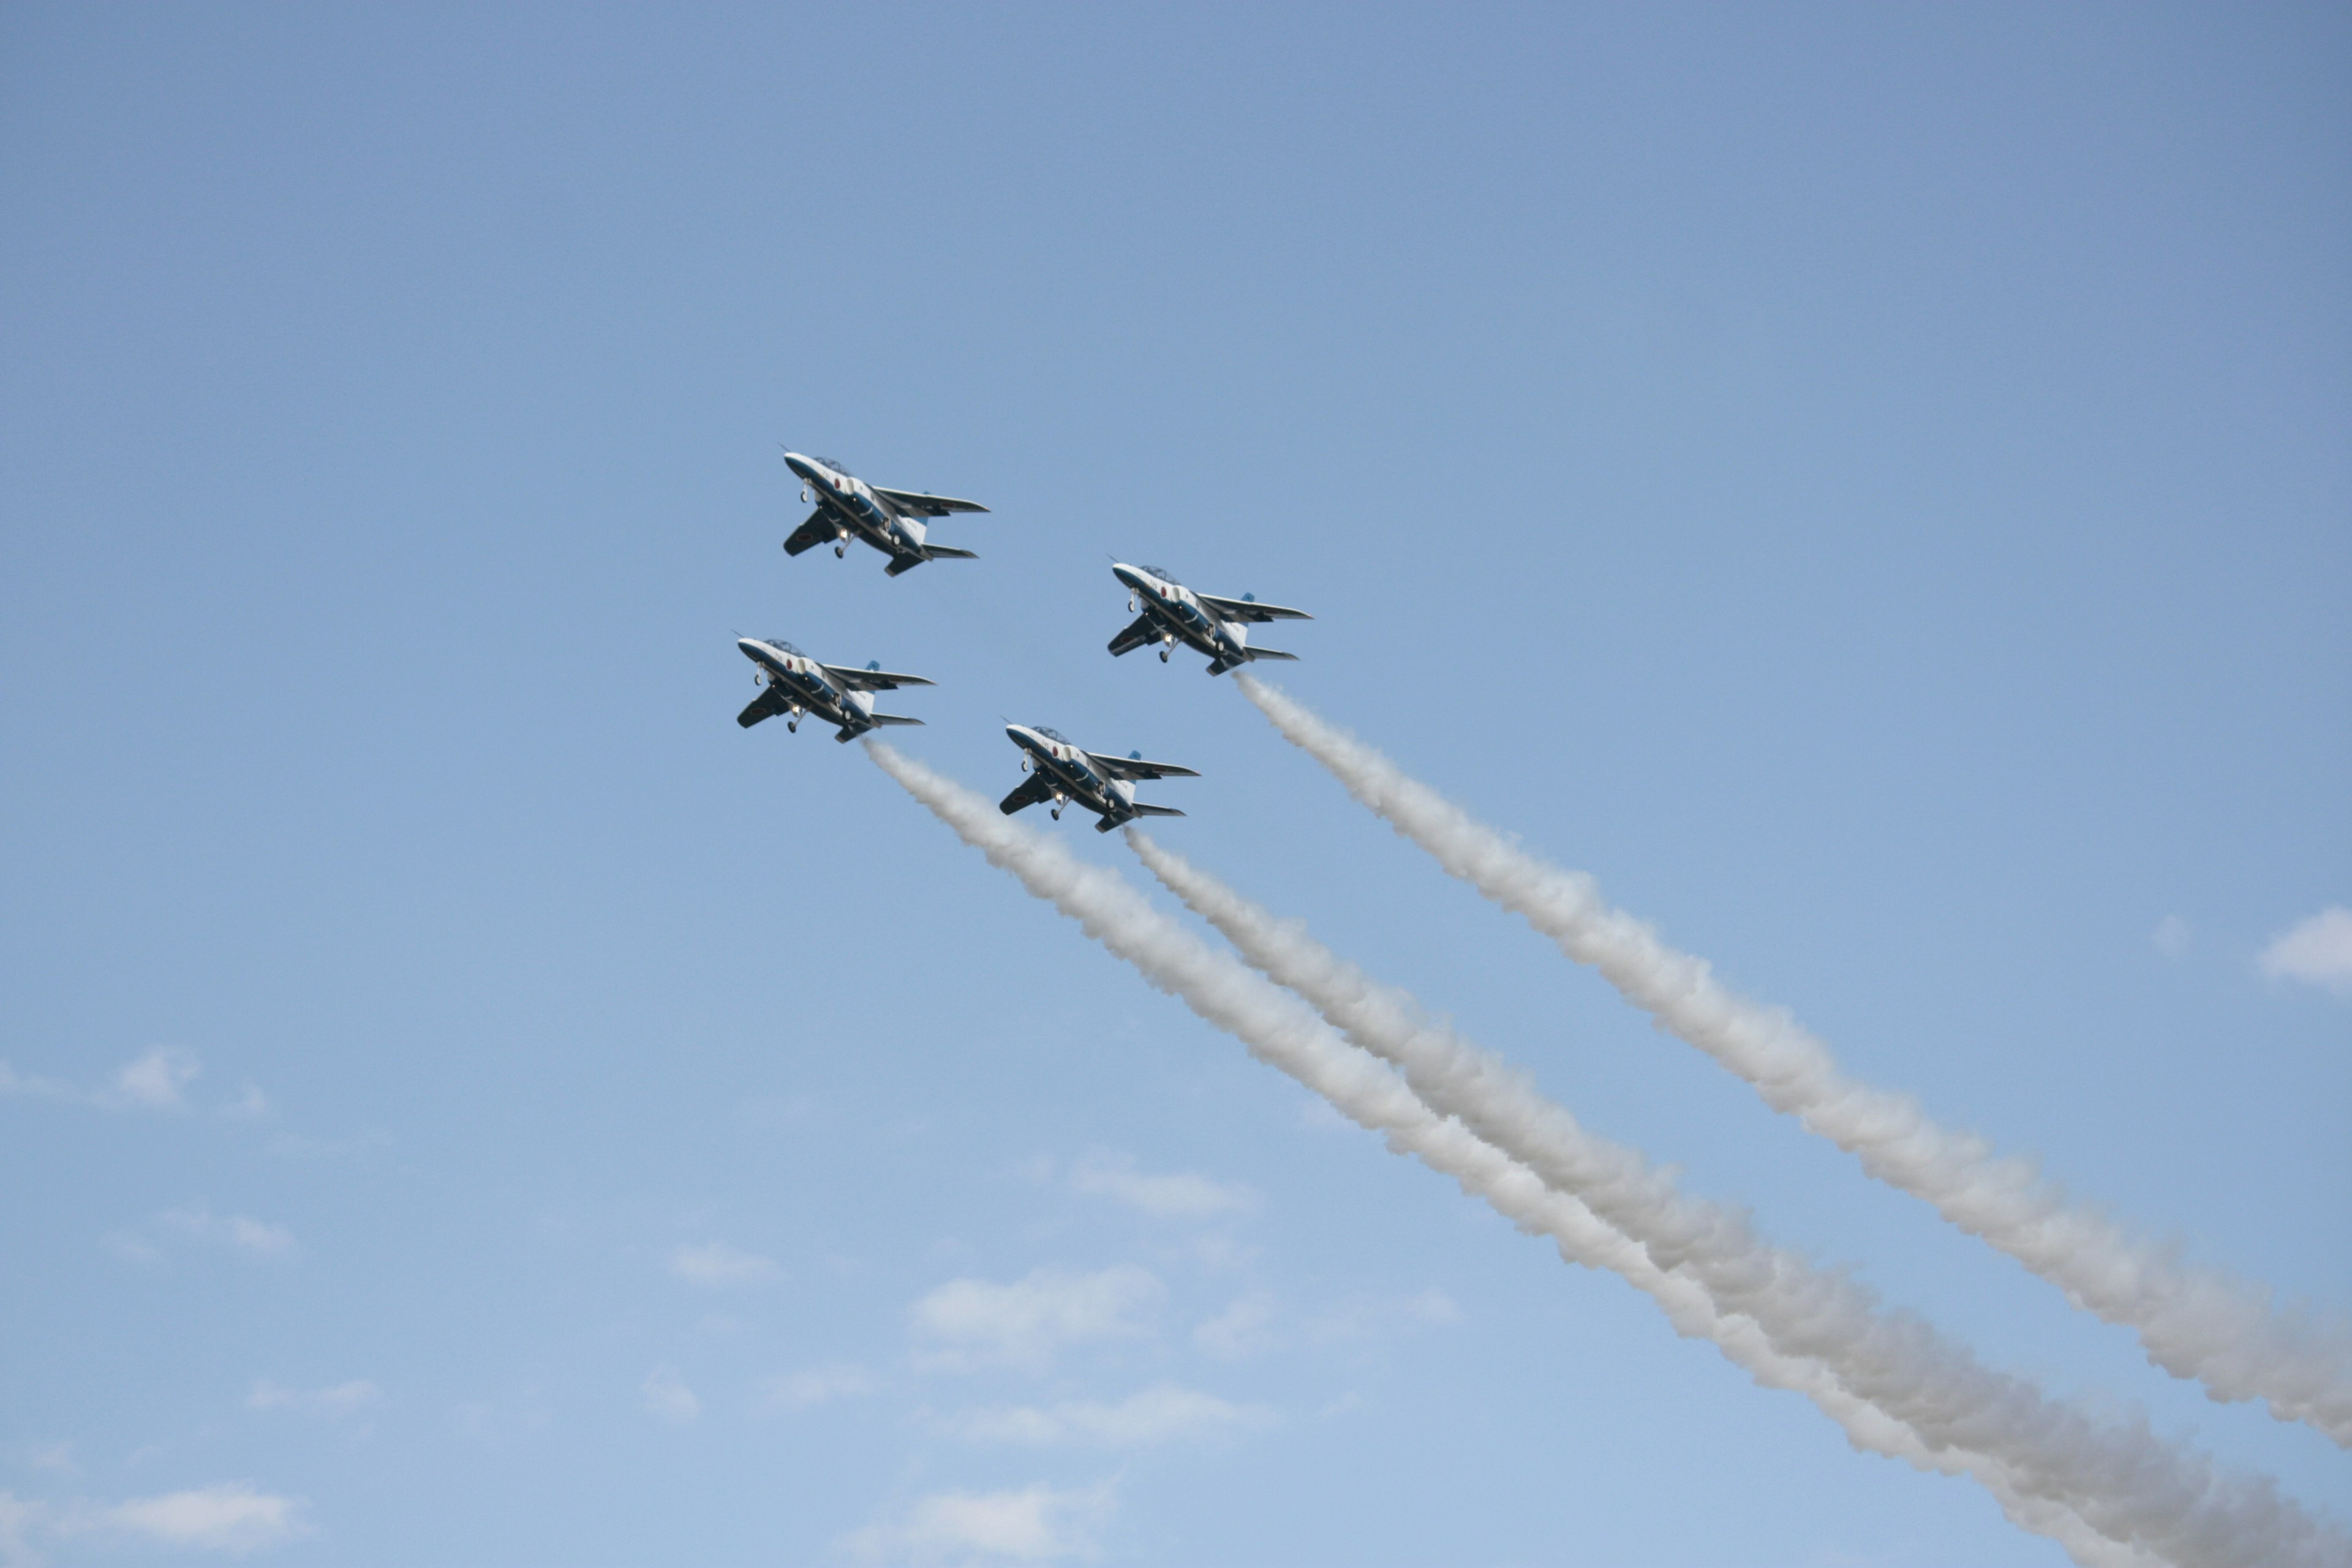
780 646
1165 576
1052 734
835 464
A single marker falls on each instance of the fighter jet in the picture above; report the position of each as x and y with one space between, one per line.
800 686
1218 628
848 508
1061 772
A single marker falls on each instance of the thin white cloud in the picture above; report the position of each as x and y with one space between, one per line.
232 1517
1246 1328
667 1396
714 1265
1165 1413
972 1322
1181 1194
57 1458
1033 1524
132 1247
2171 937
32 1086
334 1400
815 1385
2317 952
1255 1323
156 1079
240 1232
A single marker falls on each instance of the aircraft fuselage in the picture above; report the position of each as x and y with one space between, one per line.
802 687
1182 617
855 510
1071 777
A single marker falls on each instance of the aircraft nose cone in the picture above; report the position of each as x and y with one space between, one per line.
1128 574
799 465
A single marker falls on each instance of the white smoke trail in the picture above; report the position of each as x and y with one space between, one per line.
2123 1481
1281 1031
2193 1321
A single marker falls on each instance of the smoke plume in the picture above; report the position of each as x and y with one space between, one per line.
1282 1032
2193 1321
2123 1481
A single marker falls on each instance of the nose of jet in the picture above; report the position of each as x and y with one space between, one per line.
748 648
799 465
1127 574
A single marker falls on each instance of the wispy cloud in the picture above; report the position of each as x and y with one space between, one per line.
972 1322
667 1396
714 1263
156 1079
239 1231
1257 1323
1166 1413
2317 952
233 1517
335 1399
1034 1524
196 1225
815 1385
1180 1195
2171 937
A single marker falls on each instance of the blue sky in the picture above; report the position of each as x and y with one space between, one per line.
1871 485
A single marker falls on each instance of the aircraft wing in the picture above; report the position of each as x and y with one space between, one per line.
767 705
1033 791
873 679
922 505
818 530
1144 632
1249 610
1134 768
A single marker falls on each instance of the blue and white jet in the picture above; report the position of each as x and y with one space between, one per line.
1066 776
848 508
832 693
1173 613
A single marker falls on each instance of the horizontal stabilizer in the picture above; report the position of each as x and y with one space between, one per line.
873 721
927 552
872 680
1106 825
1133 768
767 705
922 505
1249 610
1272 653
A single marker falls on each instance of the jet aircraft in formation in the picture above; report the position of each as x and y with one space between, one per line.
1066 774
835 693
1173 613
891 521
848 508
